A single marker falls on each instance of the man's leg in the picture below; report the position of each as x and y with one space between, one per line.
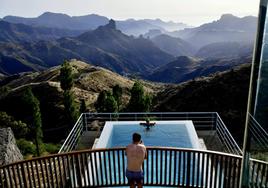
139 184
131 184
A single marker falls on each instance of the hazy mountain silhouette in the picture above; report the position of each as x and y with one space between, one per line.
11 32
63 21
225 50
92 21
172 45
228 28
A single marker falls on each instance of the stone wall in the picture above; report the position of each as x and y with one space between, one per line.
9 152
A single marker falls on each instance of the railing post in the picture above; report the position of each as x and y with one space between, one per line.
188 169
85 120
77 169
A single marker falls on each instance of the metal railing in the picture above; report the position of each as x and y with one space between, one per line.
74 135
210 121
258 133
174 167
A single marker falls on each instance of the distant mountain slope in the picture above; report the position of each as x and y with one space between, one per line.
228 28
92 21
225 50
187 68
10 32
106 46
63 21
168 26
225 93
89 81
172 45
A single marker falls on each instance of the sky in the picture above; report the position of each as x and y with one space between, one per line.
192 12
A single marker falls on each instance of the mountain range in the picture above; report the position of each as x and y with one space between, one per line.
35 44
93 21
106 46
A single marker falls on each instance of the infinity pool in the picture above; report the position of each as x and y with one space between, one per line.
164 133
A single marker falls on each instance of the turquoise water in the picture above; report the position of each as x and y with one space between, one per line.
168 135
164 133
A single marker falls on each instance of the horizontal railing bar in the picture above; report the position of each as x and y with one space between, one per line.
85 169
122 148
139 113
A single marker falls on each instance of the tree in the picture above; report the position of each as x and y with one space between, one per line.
70 107
117 94
110 103
19 128
139 102
66 77
35 121
66 82
147 103
100 103
83 107
106 102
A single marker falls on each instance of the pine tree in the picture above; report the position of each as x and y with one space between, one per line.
66 77
106 102
139 102
35 121
100 103
70 107
66 82
83 107
110 103
117 94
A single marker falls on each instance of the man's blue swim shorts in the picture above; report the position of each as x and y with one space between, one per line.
134 176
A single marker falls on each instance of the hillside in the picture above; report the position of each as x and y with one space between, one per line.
225 50
225 93
173 46
89 81
186 68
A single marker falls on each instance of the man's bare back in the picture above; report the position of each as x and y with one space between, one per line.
135 156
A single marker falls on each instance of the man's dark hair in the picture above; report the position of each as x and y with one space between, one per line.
136 137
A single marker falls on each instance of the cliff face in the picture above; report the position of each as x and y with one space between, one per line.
9 152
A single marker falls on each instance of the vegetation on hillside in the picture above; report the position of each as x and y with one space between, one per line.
66 83
109 101
139 100
34 119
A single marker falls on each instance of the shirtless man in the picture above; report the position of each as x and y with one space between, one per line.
136 153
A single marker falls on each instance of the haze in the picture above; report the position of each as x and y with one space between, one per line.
193 12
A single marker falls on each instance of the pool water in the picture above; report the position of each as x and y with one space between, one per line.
164 133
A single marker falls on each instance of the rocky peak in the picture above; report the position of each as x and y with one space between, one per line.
227 17
111 24
9 152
